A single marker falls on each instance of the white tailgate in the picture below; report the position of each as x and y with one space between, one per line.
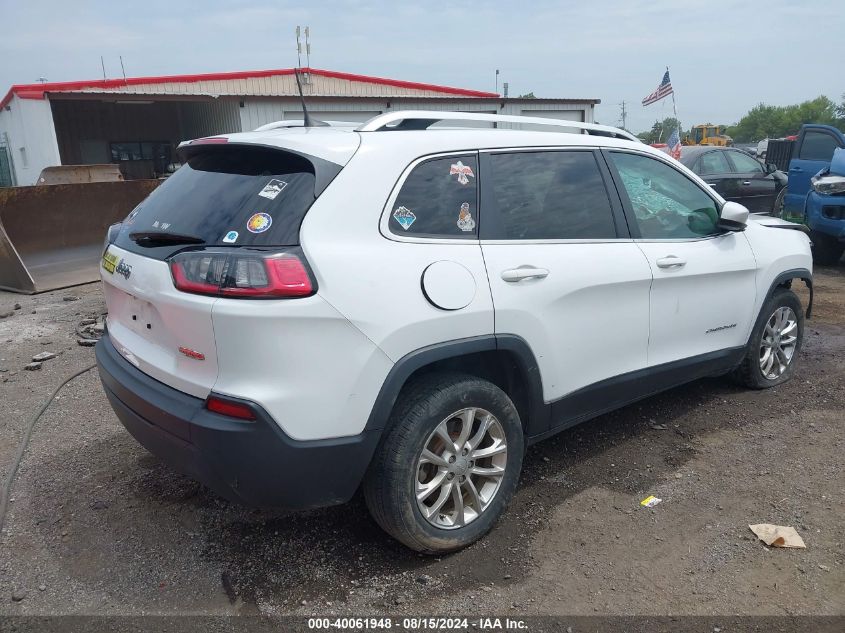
149 320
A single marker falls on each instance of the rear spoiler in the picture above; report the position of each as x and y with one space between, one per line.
324 170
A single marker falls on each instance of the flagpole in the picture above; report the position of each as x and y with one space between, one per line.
675 107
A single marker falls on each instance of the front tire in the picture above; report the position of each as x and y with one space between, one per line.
775 342
449 463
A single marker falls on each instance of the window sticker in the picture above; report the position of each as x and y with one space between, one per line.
231 237
405 217
161 225
462 171
273 189
259 222
465 221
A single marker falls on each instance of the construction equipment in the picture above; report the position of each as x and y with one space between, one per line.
51 235
77 174
708 134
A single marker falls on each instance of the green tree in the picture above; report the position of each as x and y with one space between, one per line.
765 121
660 131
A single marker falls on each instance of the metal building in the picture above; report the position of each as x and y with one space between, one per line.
137 122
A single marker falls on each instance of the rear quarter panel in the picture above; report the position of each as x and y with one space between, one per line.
300 359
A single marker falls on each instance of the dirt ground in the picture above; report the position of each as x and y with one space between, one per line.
99 526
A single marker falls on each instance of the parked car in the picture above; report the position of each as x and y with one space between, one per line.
738 177
748 148
819 206
297 313
824 211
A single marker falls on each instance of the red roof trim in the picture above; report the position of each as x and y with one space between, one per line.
37 91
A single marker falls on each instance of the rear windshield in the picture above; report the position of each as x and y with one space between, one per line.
232 196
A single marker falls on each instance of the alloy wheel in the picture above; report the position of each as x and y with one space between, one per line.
460 468
777 346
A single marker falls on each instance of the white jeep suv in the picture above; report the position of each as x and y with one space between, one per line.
302 311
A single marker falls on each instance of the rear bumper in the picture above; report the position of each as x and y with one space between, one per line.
253 463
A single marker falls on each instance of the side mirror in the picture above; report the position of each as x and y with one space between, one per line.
733 217
771 168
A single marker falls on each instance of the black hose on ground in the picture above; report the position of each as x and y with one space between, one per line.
13 469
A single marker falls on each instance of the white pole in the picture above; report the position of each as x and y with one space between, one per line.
674 106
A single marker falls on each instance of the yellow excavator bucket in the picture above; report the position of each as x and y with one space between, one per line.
51 235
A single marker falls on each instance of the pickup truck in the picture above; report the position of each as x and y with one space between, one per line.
822 211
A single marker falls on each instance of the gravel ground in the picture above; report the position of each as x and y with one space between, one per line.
99 526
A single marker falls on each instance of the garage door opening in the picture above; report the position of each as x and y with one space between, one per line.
139 135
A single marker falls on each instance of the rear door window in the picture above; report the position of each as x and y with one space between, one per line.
240 196
712 163
438 199
745 164
552 195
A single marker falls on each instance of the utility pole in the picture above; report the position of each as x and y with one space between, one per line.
624 116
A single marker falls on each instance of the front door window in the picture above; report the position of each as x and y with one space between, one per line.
666 204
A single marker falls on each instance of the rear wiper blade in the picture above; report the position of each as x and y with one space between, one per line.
160 238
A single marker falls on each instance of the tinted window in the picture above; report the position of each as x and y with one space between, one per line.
549 195
231 196
712 163
745 164
666 204
438 199
818 146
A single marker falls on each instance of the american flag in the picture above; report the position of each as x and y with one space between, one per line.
673 145
663 90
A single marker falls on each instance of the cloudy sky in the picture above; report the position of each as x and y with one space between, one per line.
725 56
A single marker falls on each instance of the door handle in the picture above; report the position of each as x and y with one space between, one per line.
513 275
796 169
671 261
746 182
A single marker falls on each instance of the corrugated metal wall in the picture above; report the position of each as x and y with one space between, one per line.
206 118
85 128
258 112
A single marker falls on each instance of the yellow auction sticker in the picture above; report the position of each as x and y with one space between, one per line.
109 262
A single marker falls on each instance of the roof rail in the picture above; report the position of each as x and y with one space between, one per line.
421 120
277 125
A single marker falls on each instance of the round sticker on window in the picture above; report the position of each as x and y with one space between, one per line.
259 223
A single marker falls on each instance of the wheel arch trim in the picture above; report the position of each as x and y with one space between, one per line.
420 358
788 275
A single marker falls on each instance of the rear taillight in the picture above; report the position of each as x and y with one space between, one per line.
229 408
243 274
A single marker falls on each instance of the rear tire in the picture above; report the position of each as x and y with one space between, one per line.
439 481
775 342
827 250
